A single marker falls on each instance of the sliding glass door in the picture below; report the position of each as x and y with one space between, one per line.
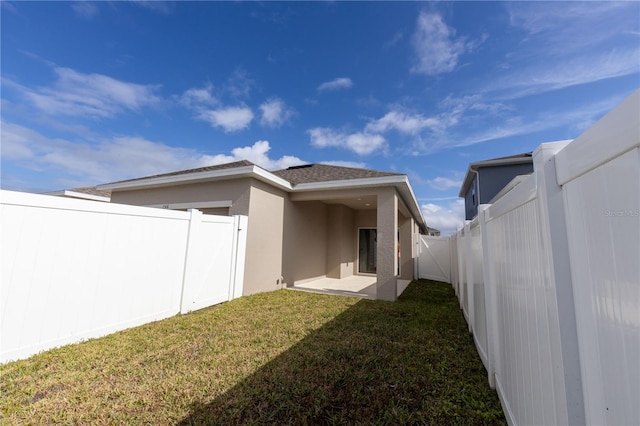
367 246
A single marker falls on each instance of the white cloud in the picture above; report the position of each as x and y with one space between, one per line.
364 143
568 44
571 71
336 84
258 154
564 27
447 217
360 143
442 183
436 48
198 97
578 118
91 162
95 95
231 119
403 122
275 113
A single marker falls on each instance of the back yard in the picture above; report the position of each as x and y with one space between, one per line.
284 357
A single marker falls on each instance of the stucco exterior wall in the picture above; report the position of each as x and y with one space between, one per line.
341 241
405 226
263 267
366 219
387 255
305 241
237 191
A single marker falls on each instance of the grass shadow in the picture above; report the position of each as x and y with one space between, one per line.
408 362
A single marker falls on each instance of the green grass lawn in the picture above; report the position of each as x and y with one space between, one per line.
284 357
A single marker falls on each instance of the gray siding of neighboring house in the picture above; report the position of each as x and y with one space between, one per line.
471 202
492 180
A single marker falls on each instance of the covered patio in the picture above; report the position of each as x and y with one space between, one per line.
355 286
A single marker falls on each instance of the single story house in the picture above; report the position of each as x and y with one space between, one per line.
304 223
485 179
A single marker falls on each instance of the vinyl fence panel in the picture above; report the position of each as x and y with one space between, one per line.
76 269
560 261
434 262
600 178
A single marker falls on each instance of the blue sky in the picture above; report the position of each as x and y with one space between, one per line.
96 92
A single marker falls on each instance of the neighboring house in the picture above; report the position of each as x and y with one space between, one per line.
485 179
87 193
432 232
305 222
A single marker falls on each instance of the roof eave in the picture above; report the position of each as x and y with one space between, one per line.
401 182
75 194
350 183
212 175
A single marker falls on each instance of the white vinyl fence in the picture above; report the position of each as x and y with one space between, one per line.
548 278
75 269
434 259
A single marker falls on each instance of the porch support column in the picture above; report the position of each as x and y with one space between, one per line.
387 251
406 248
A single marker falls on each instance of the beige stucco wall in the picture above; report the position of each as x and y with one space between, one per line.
366 219
305 241
387 254
405 226
237 191
341 241
263 267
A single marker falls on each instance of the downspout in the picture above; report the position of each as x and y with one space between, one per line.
475 172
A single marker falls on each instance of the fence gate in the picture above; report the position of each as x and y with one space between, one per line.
434 258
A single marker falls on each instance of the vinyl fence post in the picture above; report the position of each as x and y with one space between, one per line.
461 267
468 258
490 301
186 295
236 284
552 214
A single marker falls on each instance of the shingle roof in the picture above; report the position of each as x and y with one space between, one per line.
307 173
235 164
92 190
310 173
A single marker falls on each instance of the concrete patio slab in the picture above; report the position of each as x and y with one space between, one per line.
355 286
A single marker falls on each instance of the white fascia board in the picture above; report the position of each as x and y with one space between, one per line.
193 205
500 162
414 202
81 195
248 171
268 177
351 183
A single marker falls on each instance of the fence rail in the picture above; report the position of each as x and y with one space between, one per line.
75 269
548 279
